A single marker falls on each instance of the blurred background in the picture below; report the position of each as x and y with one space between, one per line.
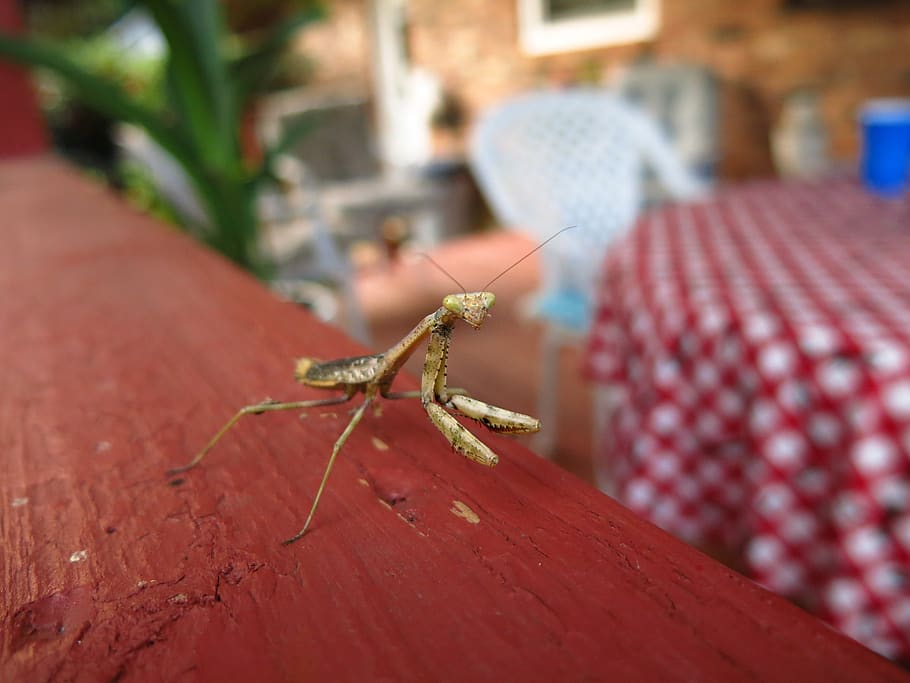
371 104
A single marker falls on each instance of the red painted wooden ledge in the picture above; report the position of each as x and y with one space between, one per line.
124 345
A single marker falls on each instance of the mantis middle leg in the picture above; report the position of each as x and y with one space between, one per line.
325 477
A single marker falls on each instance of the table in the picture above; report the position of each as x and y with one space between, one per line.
759 346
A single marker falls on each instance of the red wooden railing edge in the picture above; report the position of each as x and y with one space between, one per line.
127 345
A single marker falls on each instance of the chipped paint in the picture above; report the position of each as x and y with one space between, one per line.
379 444
363 482
19 502
79 556
459 509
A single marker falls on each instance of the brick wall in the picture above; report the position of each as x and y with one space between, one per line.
761 53
339 46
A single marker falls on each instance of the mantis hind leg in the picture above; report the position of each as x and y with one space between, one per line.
325 477
256 409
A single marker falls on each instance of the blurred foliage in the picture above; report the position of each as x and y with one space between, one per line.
140 190
192 104
63 19
245 17
140 75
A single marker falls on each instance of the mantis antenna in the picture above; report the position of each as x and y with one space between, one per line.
444 271
539 246
461 286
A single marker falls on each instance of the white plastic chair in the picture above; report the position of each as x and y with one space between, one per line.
552 159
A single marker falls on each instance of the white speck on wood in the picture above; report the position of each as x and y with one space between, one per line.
459 509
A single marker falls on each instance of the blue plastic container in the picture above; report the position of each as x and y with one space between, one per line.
885 166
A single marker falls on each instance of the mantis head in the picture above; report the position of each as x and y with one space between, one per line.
471 307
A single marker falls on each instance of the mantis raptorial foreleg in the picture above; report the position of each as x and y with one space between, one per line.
434 392
492 417
461 439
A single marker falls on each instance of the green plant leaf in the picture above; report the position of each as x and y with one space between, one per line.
106 97
198 82
252 71
200 123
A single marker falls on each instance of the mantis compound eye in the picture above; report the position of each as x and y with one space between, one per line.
453 303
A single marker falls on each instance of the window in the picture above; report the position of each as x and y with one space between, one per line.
548 26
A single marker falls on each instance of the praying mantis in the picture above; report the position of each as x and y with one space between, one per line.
372 375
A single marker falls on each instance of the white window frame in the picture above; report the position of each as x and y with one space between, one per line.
540 37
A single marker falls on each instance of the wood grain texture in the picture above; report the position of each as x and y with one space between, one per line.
124 346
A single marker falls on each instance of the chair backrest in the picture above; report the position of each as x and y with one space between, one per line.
548 160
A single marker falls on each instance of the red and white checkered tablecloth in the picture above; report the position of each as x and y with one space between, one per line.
760 345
